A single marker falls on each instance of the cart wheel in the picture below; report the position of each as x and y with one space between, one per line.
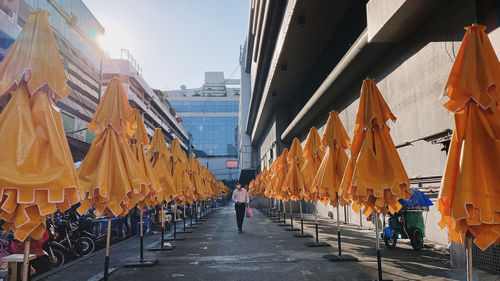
416 238
390 242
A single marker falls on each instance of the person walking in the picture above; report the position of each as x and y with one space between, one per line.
241 199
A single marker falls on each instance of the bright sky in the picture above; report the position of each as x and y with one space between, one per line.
176 41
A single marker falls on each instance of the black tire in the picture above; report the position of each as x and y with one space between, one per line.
57 260
390 243
416 238
87 245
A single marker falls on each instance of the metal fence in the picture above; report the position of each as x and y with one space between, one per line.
488 260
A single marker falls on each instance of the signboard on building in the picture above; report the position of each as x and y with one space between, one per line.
232 164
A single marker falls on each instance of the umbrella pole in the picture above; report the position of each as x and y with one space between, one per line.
162 224
141 257
108 242
301 218
175 220
284 212
468 254
377 247
339 257
338 229
291 215
26 260
196 213
141 262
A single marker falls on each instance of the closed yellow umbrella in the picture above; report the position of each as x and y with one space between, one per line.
37 174
282 167
469 197
182 181
375 177
334 143
280 171
294 181
178 169
312 160
162 166
139 142
111 179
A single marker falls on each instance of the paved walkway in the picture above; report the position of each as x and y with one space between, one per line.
264 251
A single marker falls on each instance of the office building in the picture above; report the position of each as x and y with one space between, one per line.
306 58
211 116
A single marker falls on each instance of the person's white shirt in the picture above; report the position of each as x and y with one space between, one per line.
241 196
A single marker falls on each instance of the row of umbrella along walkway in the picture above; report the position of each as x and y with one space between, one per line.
37 175
373 178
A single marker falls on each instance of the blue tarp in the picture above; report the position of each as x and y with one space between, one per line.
418 199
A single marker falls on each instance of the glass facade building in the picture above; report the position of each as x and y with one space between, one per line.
212 134
206 106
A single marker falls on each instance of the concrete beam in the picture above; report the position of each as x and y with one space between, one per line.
394 20
388 25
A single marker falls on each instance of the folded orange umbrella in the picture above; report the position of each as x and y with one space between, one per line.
199 188
294 181
162 166
469 199
375 177
37 174
312 161
282 168
182 182
139 142
111 178
334 143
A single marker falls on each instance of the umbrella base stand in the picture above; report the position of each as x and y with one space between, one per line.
163 248
100 276
292 229
184 232
337 258
143 263
317 244
302 235
175 239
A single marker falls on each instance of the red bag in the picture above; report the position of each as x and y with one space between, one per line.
249 212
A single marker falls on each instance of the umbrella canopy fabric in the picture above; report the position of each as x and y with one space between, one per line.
138 143
182 181
312 161
194 172
281 170
334 143
470 195
37 174
110 176
294 181
34 59
162 166
268 185
375 177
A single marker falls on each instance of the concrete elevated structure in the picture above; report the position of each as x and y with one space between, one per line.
303 59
